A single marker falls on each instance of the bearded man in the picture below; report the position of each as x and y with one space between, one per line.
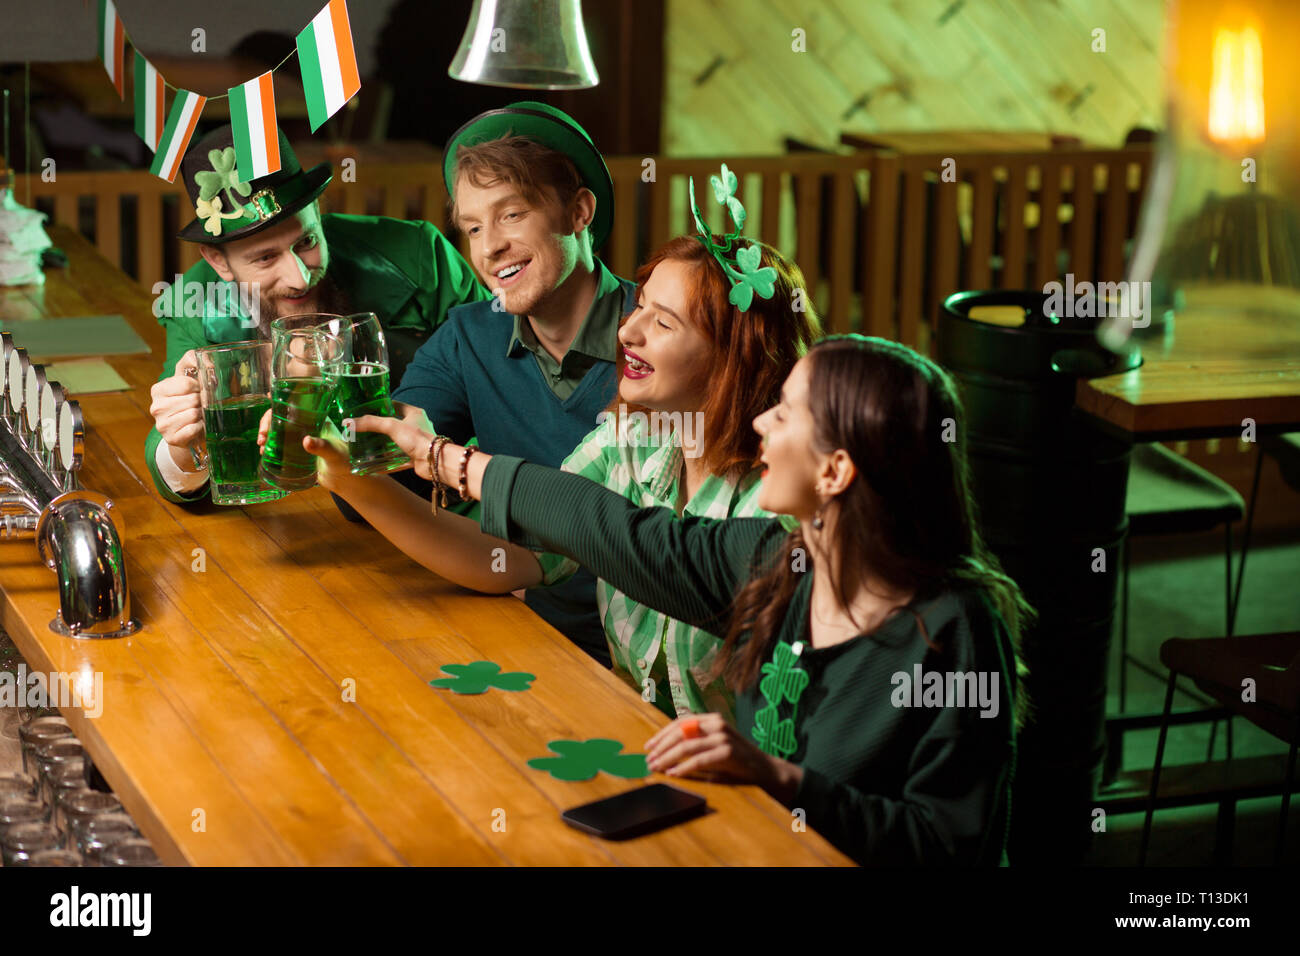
267 252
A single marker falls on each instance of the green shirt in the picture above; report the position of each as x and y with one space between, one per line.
646 465
407 273
596 340
889 780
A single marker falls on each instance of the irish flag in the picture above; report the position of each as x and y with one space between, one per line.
148 102
328 62
176 134
112 46
252 119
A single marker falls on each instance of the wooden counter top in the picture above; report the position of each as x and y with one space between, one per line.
228 708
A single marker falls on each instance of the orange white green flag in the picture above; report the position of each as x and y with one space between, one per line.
182 119
252 120
328 63
149 94
112 43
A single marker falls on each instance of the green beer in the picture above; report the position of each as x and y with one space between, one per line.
233 454
298 408
361 388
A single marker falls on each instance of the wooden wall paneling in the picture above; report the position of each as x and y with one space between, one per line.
1082 223
148 238
1114 222
108 224
880 246
808 213
979 269
771 223
65 210
945 248
732 85
621 254
844 207
1047 239
1014 246
911 241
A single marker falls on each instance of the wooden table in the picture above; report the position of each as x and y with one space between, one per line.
1231 355
226 728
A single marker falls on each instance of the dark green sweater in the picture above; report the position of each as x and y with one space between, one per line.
885 782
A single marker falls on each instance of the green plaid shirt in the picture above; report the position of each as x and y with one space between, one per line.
644 644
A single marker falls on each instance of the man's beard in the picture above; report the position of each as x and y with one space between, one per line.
329 299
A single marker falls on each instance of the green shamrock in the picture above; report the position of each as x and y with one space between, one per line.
783 678
751 279
583 759
223 176
477 677
773 736
724 190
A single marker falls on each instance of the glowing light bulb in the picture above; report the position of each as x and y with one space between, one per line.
1237 87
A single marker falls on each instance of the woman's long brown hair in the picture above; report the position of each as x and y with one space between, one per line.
908 520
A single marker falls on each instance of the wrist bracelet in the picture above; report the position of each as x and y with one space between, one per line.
435 461
464 472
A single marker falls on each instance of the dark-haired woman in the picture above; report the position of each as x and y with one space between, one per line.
872 650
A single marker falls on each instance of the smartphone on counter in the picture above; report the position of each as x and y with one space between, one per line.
636 812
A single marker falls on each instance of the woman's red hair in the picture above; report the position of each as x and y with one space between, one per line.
753 351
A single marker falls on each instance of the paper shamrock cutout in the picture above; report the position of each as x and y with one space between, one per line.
223 176
583 759
477 677
744 270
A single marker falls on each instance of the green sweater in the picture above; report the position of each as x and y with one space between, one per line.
890 776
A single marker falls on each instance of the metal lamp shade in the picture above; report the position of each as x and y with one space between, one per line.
527 44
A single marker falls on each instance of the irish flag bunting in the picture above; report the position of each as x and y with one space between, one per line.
252 118
112 45
176 134
149 115
328 63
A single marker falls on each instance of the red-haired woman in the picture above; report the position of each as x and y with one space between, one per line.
695 370
872 650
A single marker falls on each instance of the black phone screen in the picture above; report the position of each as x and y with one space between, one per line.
639 811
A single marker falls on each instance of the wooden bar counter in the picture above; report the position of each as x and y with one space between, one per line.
275 707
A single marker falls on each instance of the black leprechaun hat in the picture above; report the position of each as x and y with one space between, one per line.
230 207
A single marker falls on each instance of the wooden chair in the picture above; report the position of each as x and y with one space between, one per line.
1221 667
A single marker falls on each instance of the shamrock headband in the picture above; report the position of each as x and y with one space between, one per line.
743 270
224 178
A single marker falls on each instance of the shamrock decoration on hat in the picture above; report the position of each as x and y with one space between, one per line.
223 176
744 270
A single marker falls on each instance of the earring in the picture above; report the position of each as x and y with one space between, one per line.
817 521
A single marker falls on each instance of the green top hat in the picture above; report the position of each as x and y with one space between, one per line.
554 129
230 207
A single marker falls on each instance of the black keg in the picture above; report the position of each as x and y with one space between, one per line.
1049 485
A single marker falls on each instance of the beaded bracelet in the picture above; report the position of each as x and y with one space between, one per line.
435 463
464 472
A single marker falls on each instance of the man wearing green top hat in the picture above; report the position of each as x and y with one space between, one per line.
529 371
268 251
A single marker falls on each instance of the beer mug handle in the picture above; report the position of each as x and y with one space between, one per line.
200 458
